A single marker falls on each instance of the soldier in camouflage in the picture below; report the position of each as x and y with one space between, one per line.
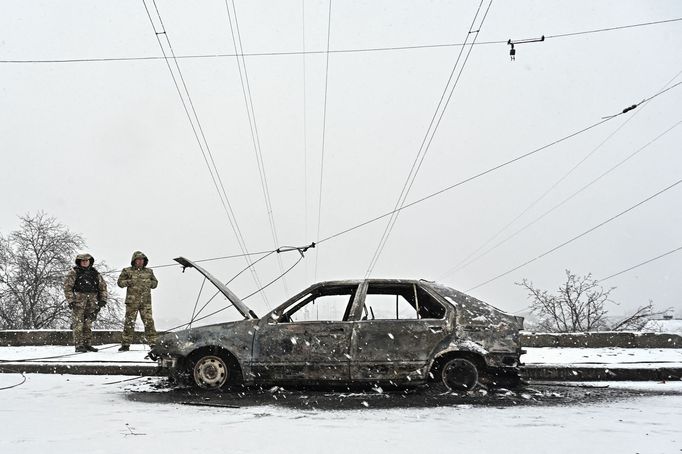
86 293
138 280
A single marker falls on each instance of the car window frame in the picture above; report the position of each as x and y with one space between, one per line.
447 307
296 302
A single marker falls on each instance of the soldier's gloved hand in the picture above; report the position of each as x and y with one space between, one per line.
101 304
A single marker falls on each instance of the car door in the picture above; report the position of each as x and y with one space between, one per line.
308 338
400 326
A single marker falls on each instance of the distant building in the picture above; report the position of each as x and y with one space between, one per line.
667 324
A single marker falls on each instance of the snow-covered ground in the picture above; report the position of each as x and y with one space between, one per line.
61 354
622 357
85 414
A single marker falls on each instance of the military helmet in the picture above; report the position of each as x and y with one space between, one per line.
86 256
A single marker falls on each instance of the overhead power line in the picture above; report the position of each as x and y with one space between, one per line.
331 51
324 132
305 133
468 260
566 200
436 118
253 127
646 262
490 170
204 147
577 237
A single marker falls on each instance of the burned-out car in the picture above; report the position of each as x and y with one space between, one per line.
378 331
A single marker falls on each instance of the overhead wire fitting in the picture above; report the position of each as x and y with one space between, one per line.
512 51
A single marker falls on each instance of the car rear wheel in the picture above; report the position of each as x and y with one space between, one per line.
459 374
210 372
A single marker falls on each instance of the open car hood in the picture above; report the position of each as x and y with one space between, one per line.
234 299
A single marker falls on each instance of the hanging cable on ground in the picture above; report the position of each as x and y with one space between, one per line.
23 380
139 377
565 243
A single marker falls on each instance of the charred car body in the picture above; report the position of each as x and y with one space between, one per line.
397 332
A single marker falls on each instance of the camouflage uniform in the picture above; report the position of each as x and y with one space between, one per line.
85 292
139 282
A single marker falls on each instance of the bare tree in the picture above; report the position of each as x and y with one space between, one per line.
34 260
637 320
578 305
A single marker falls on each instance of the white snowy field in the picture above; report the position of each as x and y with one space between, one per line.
622 357
64 414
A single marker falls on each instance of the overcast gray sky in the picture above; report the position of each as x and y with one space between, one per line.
107 149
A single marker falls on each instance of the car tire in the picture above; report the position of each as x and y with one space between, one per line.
458 374
210 371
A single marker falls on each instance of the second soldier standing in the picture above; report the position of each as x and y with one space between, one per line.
138 281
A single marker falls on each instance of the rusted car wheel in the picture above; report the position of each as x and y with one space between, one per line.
210 372
459 374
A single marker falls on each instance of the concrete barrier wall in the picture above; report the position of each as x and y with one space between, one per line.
584 340
60 337
602 339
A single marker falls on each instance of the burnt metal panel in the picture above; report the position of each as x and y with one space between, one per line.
234 299
302 351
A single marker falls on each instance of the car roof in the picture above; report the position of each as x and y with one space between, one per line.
372 281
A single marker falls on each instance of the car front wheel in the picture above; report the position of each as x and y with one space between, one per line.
459 374
210 372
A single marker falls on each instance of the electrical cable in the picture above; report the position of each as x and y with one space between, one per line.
196 303
565 200
426 141
194 315
460 183
23 380
139 377
665 254
253 128
601 224
489 170
305 132
324 131
224 199
331 51
243 299
465 262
